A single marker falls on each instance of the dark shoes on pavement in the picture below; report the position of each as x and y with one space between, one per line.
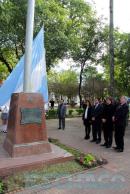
108 146
92 140
98 141
62 128
104 144
86 137
118 149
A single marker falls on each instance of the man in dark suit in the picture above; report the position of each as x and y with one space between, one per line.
61 114
96 121
119 119
107 124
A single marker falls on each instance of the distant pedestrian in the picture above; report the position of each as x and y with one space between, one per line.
52 102
4 115
4 118
61 114
119 119
87 118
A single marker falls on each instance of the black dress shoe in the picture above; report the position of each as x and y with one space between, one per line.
108 146
116 148
59 128
120 150
103 144
98 141
93 140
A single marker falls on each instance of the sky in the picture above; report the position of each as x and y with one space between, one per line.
121 12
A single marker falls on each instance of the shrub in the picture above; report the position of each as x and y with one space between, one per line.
2 186
88 159
79 111
70 112
51 114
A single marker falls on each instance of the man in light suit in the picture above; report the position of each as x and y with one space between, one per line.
61 114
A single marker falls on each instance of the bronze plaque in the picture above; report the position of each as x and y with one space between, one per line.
31 115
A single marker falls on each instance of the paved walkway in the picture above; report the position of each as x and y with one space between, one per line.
113 178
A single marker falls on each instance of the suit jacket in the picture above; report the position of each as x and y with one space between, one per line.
97 112
108 112
61 110
88 115
121 115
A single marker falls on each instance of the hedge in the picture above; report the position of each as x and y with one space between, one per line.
52 113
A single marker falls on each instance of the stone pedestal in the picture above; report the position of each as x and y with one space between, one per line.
26 130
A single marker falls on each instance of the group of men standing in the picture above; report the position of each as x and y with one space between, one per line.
106 117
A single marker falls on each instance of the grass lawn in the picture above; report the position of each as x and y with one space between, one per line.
46 174
40 176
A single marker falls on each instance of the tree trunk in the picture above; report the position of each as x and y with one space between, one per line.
111 50
3 60
16 51
80 84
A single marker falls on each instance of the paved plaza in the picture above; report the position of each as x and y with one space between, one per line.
112 178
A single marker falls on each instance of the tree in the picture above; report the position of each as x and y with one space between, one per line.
62 21
86 43
111 48
94 84
12 29
64 83
122 63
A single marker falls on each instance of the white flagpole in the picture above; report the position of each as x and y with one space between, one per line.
28 46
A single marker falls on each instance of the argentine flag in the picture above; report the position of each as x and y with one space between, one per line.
38 77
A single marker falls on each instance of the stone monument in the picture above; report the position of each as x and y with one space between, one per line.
26 130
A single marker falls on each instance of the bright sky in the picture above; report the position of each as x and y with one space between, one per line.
121 12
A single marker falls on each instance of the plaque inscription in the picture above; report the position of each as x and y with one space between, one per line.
31 115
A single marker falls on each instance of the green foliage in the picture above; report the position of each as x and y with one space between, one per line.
94 83
88 159
68 26
2 189
122 63
63 83
73 151
51 114
42 175
79 111
70 112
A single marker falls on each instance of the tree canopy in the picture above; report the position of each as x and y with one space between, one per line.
72 30
62 21
63 83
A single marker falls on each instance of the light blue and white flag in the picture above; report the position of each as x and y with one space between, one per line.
38 77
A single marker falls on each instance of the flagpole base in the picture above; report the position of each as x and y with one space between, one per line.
26 130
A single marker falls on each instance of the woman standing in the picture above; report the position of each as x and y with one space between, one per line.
87 119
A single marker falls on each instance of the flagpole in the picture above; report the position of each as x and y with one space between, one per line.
28 46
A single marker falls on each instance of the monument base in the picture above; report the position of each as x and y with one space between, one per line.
27 149
10 165
26 130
